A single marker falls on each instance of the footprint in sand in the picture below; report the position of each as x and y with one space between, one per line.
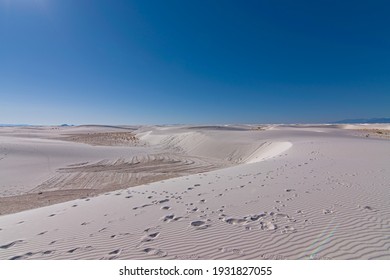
155 252
22 257
268 226
193 209
84 249
171 217
150 237
154 235
288 229
142 206
199 225
253 218
116 252
72 250
30 254
235 221
48 252
112 255
168 217
9 245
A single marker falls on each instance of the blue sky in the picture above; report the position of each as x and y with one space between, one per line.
161 62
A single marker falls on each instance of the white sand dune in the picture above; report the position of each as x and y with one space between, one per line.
28 158
308 193
268 150
385 126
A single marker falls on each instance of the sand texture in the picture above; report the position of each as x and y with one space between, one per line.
182 192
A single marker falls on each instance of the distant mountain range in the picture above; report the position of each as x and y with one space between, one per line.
374 120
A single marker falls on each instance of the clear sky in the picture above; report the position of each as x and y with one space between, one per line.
161 62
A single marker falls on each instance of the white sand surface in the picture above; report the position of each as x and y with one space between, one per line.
290 192
29 156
